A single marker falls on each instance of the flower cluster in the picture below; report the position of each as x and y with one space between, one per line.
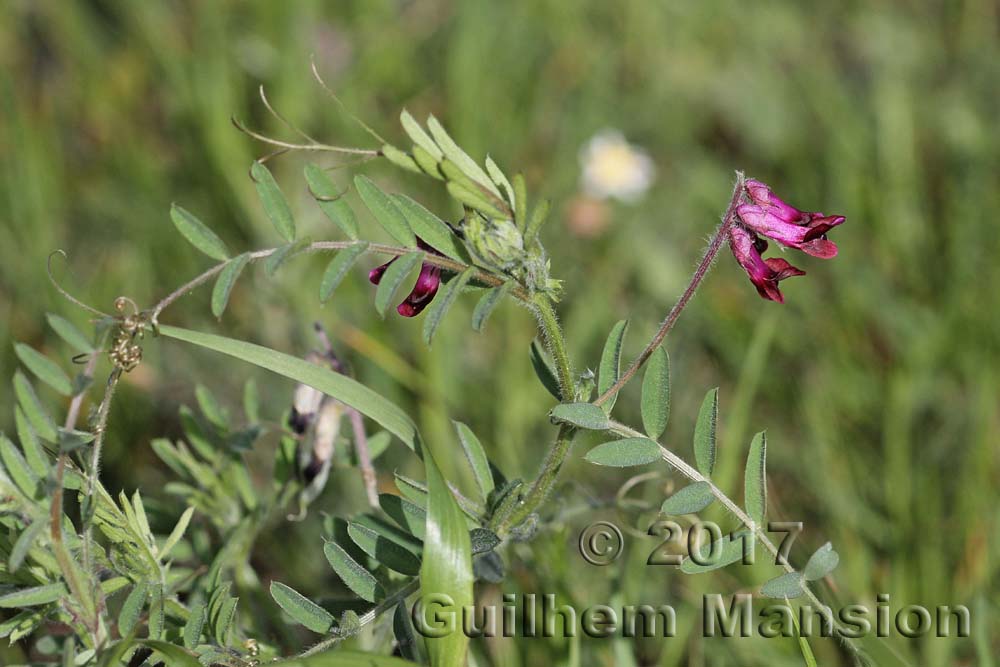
759 216
766 216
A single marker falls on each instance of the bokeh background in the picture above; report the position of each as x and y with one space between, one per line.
878 381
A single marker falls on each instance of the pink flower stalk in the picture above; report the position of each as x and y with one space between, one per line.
768 216
423 291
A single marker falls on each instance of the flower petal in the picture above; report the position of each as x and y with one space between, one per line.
764 274
808 238
375 275
770 225
761 195
820 226
819 248
422 293
782 268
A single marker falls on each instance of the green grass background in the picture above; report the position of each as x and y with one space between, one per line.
877 381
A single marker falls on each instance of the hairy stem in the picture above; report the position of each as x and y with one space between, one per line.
556 344
699 274
542 485
554 341
99 428
552 335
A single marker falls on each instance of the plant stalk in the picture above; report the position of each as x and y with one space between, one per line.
543 484
319 246
555 342
704 266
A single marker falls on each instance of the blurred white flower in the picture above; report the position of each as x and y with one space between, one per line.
614 168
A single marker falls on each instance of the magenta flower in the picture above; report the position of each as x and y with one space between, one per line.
810 237
423 291
768 216
762 196
771 217
765 274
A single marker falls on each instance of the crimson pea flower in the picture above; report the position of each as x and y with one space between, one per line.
766 215
810 237
769 216
423 291
764 273
761 195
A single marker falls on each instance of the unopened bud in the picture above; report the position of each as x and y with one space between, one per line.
496 243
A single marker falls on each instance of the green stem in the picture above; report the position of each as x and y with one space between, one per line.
93 474
542 486
552 335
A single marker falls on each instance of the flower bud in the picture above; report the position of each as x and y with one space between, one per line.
497 244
